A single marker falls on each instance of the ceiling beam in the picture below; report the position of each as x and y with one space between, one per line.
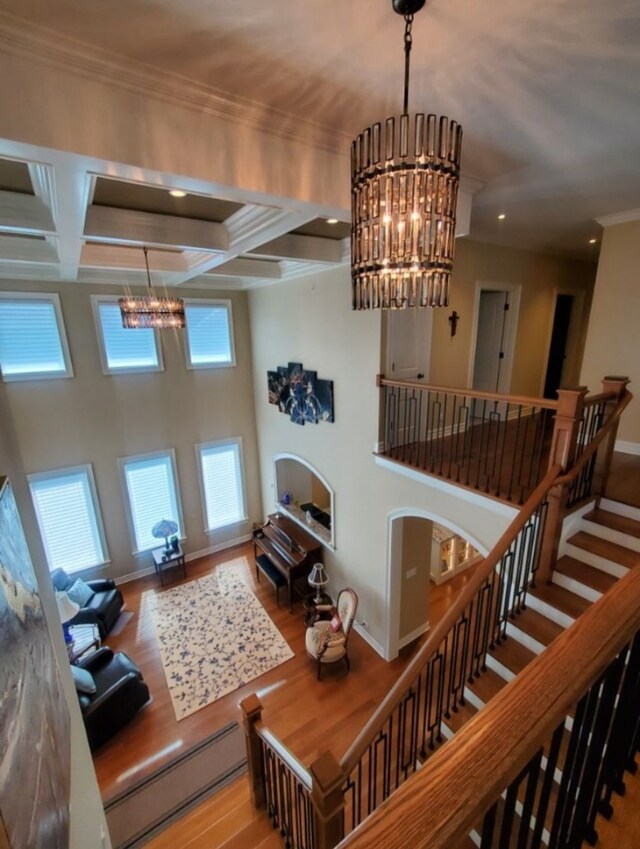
127 226
64 188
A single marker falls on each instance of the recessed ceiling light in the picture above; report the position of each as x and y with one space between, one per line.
502 216
592 241
177 193
332 220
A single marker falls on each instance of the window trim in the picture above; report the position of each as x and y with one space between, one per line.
122 462
226 302
54 299
96 300
232 440
67 471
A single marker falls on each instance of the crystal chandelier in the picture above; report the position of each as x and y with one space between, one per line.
404 189
151 310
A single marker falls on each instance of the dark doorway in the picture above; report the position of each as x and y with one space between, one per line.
558 346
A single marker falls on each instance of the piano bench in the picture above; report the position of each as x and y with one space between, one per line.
264 565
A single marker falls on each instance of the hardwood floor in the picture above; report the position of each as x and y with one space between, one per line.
624 480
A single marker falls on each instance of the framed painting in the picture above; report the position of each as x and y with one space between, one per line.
34 719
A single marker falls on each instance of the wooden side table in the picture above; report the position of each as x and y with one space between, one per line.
163 560
311 613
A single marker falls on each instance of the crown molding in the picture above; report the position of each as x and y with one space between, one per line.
619 218
43 46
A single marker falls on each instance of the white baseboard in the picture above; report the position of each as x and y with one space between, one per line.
366 636
194 555
627 447
413 635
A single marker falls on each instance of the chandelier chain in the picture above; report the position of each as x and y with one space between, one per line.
146 262
408 41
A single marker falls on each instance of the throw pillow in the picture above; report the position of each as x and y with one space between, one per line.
83 680
80 592
336 623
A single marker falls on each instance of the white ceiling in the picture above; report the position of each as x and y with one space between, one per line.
546 90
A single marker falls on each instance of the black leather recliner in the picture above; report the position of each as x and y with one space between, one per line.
102 609
120 693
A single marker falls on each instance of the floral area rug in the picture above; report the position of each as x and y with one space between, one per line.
214 637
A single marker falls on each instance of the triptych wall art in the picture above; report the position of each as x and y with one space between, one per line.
300 394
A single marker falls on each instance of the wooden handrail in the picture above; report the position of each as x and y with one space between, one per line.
595 443
359 746
297 767
525 400
437 806
603 396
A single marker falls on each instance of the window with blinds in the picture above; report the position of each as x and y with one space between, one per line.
222 483
69 518
152 494
124 350
32 339
209 334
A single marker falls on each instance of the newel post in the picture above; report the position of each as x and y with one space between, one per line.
563 451
328 801
617 385
251 713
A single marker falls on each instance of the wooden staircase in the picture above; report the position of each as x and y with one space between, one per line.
602 548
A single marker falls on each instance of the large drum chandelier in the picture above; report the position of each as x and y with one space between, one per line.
404 190
151 310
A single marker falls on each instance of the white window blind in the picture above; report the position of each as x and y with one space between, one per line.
209 334
221 470
152 492
125 349
30 338
67 513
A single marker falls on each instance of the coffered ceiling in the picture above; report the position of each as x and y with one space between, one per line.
547 92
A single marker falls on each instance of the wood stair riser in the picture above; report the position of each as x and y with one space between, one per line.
594 560
500 669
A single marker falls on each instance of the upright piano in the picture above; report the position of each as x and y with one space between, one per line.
288 547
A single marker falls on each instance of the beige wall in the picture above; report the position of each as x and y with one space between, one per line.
310 320
613 338
87 822
96 418
416 565
538 275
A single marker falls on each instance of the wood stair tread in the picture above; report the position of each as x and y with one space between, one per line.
459 717
585 574
487 685
540 627
614 521
513 655
561 599
603 548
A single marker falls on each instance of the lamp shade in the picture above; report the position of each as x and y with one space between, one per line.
66 608
317 576
164 528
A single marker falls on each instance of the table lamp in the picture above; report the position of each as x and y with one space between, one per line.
318 579
67 609
164 529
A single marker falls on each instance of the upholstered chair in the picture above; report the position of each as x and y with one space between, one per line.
327 642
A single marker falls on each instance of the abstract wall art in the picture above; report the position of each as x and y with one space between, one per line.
300 394
34 720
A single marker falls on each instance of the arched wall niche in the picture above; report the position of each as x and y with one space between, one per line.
305 495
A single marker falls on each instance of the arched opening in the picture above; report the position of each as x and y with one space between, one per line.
304 495
424 550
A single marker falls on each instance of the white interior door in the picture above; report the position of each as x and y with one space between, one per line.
489 373
409 344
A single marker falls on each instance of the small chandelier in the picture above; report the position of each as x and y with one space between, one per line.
151 310
404 189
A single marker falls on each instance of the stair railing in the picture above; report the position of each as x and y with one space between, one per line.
544 757
315 807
